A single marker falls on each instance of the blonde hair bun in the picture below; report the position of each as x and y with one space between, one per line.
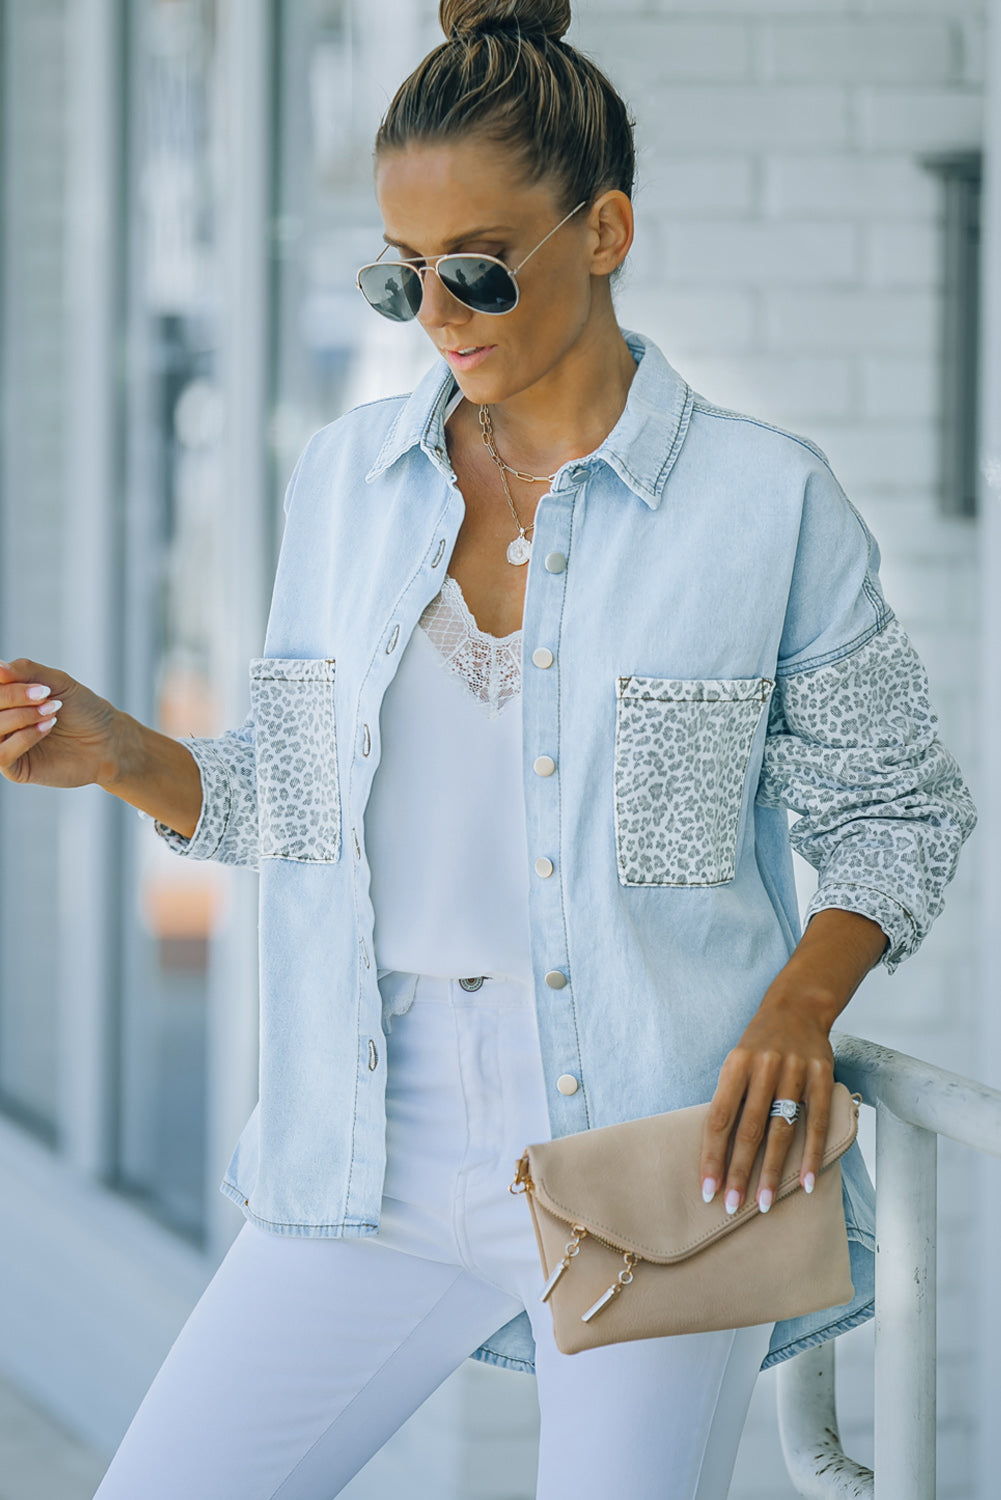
467 18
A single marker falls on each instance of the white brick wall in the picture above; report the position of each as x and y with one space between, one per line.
788 263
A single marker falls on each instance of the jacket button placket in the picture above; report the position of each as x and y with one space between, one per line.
370 1000
540 688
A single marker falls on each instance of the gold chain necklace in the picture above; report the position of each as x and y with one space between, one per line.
520 550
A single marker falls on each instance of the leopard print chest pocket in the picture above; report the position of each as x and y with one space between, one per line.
298 800
681 755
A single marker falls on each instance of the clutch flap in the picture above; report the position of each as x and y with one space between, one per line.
636 1185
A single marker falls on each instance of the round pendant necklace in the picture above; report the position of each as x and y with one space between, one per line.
519 550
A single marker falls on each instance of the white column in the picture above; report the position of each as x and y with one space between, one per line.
905 1309
988 836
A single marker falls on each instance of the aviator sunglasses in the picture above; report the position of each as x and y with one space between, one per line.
484 283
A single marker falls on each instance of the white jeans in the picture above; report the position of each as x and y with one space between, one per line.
304 1355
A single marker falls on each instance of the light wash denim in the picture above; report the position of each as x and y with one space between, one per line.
721 653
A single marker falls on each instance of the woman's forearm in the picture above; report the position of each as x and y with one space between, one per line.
153 772
835 953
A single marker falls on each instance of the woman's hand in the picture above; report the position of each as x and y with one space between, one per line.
785 1053
56 732
53 730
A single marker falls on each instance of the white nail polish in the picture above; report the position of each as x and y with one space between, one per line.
765 1200
708 1190
37 691
44 725
809 1182
732 1200
51 707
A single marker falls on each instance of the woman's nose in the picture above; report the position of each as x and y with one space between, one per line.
438 306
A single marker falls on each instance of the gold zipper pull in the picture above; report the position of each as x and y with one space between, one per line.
570 1249
554 1278
621 1282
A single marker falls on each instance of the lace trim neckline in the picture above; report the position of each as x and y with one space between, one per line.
489 666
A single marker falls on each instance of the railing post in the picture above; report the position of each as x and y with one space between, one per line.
905 1309
808 1427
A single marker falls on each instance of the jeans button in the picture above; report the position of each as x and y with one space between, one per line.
472 984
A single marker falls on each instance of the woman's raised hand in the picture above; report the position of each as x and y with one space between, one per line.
53 730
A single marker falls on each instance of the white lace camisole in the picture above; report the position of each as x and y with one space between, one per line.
445 822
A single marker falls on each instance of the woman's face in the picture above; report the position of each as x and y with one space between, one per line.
439 198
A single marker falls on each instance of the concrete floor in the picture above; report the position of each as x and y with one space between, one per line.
38 1460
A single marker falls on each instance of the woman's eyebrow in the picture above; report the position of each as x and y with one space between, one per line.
491 232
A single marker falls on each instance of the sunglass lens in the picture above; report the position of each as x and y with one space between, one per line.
480 284
394 291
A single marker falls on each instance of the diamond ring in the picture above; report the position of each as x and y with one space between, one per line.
785 1109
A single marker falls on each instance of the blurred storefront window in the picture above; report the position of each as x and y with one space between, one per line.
174 543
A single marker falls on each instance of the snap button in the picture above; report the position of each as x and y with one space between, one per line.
354 835
556 979
373 1056
437 557
544 765
555 562
391 646
543 866
579 475
366 740
542 656
472 984
567 1083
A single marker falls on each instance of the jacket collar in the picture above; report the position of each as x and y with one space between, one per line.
641 448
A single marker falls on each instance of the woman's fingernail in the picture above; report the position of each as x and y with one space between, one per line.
765 1199
809 1182
44 725
708 1190
5 665
732 1201
37 692
52 707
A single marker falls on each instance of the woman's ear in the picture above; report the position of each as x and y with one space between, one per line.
611 221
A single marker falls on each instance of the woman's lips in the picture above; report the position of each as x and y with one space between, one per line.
468 361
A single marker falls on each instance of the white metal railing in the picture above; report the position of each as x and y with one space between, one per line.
915 1103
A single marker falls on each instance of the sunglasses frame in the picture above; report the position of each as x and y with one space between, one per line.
436 260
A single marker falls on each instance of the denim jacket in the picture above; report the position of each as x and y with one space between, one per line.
717 652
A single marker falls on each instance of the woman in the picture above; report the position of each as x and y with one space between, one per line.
566 898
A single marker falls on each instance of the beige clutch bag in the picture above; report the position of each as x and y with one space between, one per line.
630 1251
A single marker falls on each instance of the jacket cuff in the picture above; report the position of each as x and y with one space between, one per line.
217 799
902 934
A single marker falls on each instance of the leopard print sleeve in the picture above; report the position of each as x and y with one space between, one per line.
883 810
227 828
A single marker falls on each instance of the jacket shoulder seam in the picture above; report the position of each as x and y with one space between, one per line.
884 617
723 413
